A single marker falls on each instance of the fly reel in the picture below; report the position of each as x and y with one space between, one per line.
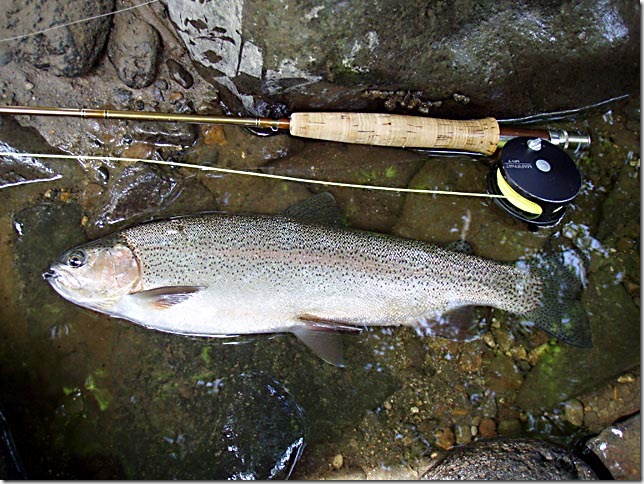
537 179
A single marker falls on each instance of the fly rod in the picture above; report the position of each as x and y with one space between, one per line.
379 129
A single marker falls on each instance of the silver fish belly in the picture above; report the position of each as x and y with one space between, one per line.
223 274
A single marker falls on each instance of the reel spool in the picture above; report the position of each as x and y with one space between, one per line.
537 178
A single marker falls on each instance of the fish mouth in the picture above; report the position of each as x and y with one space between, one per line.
50 275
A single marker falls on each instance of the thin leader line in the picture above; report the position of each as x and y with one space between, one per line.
256 174
18 37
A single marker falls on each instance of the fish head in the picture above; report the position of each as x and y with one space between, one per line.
96 275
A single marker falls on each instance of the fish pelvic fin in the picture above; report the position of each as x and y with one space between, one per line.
560 311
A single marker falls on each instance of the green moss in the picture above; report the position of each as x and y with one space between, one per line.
102 396
205 355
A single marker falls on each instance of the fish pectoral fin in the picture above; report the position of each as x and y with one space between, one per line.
322 335
167 297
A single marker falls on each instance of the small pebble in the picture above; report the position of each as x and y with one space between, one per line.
463 434
179 74
387 405
489 340
628 378
574 412
161 84
470 362
487 428
29 86
444 438
123 95
175 96
213 134
338 462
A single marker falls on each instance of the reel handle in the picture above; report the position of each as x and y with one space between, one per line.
479 135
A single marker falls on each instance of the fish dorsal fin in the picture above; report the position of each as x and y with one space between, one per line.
460 245
321 208
167 297
323 337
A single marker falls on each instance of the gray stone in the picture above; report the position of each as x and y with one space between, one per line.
133 50
160 133
66 51
495 56
618 447
509 459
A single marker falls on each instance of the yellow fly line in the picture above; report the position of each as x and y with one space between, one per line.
514 198
232 171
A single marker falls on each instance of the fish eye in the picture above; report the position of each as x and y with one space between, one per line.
76 258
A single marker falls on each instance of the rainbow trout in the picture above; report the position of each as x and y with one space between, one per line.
228 274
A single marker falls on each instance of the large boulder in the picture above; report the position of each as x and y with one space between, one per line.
65 47
501 57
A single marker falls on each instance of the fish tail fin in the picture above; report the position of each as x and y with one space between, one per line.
561 312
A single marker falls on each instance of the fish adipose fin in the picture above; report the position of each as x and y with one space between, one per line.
167 297
323 337
560 312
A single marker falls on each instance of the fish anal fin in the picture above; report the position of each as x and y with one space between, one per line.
168 296
457 324
326 344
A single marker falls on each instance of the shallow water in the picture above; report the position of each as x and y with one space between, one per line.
87 396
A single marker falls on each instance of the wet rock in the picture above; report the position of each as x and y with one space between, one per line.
137 191
612 401
484 54
18 171
11 466
249 426
160 133
618 447
66 51
502 375
6 54
510 428
509 459
179 74
133 50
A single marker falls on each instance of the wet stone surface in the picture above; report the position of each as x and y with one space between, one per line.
133 50
507 459
619 448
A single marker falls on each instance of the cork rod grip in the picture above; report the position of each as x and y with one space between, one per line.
479 135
